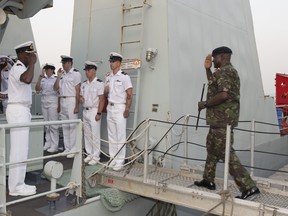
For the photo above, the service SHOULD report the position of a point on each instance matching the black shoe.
(252, 191)
(206, 184)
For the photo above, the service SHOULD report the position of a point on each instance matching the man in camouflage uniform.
(223, 103)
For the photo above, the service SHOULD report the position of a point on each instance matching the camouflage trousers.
(215, 144)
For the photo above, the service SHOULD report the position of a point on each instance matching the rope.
(162, 208)
(225, 194)
(71, 186)
(88, 131)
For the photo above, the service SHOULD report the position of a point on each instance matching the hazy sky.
(53, 24)
(270, 24)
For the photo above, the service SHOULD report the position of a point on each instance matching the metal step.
(130, 42)
(131, 25)
(132, 8)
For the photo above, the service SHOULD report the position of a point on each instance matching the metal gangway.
(176, 186)
(157, 181)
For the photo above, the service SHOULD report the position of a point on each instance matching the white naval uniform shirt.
(118, 84)
(19, 92)
(91, 91)
(68, 81)
(49, 95)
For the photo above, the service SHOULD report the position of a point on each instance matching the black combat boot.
(206, 184)
(245, 194)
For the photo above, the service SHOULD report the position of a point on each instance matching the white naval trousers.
(116, 124)
(49, 111)
(91, 133)
(67, 106)
(4, 104)
(19, 144)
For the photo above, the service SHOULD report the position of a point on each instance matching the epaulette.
(76, 70)
(84, 81)
(124, 73)
(18, 64)
(99, 80)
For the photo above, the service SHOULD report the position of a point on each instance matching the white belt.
(20, 104)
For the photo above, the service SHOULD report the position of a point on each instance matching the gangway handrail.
(76, 175)
(40, 123)
(40, 158)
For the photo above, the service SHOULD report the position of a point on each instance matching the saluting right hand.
(208, 61)
(32, 58)
(59, 72)
(43, 72)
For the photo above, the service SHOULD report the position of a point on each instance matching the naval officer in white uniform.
(49, 105)
(6, 63)
(18, 111)
(68, 84)
(119, 88)
(92, 99)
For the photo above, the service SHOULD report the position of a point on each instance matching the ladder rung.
(130, 42)
(130, 25)
(135, 7)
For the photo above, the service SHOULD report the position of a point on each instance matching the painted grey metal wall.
(183, 32)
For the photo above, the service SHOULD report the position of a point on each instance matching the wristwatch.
(99, 113)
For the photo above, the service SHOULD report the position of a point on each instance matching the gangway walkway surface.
(177, 187)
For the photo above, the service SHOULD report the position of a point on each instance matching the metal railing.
(186, 150)
(75, 177)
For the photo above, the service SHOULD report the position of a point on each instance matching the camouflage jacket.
(224, 79)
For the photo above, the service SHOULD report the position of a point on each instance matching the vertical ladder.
(132, 27)
(131, 45)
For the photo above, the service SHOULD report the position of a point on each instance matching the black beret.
(221, 50)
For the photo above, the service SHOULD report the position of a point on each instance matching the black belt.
(66, 96)
(89, 108)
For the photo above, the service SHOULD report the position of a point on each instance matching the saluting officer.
(223, 106)
(6, 64)
(68, 84)
(18, 111)
(92, 98)
(49, 105)
(119, 89)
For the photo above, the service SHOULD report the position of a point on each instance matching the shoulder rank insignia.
(76, 70)
(99, 80)
(124, 73)
(18, 64)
